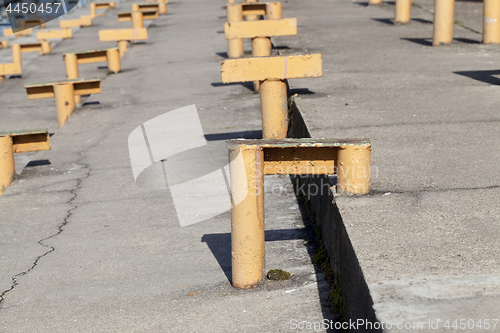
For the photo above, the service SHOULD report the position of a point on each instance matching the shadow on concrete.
(428, 41)
(488, 77)
(222, 54)
(234, 135)
(422, 21)
(467, 40)
(385, 21)
(421, 41)
(390, 21)
(301, 91)
(37, 163)
(248, 85)
(281, 48)
(220, 245)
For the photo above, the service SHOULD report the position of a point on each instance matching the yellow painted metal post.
(274, 11)
(7, 166)
(162, 8)
(16, 53)
(374, 2)
(354, 168)
(135, 7)
(443, 22)
(247, 217)
(65, 102)
(46, 47)
(137, 20)
(235, 47)
(491, 22)
(113, 56)
(5, 44)
(71, 64)
(261, 47)
(402, 11)
(274, 108)
(122, 47)
(93, 10)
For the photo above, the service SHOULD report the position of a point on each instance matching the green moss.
(321, 256)
(278, 275)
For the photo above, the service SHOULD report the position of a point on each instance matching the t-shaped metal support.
(72, 60)
(64, 93)
(94, 6)
(83, 21)
(250, 160)
(261, 32)
(272, 73)
(236, 12)
(161, 7)
(18, 142)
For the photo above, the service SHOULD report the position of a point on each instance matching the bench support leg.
(16, 53)
(46, 47)
(354, 168)
(162, 8)
(93, 10)
(113, 56)
(491, 22)
(122, 47)
(71, 63)
(65, 102)
(274, 108)
(261, 47)
(7, 166)
(137, 20)
(274, 11)
(247, 217)
(235, 47)
(402, 11)
(443, 22)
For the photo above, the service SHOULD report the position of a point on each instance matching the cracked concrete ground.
(83, 249)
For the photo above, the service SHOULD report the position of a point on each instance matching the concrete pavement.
(84, 249)
(426, 237)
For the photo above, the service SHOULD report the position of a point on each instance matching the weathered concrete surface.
(89, 251)
(427, 236)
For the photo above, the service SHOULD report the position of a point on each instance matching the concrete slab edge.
(355, 299)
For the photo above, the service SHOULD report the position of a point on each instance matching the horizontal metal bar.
(261, 28)
(29, 140)
(277, 68)
(123, 35)
(46, 89)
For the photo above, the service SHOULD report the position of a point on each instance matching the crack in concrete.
(59, 231)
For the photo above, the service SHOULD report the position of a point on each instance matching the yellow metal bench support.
(350, 159)
(235, 13)
(402, 11)
(83, 21)
(100, 5)
(72, 60)
(18, 142)
(64, 93)
(272, 73)
(42, 47)
(161, 7)
(443, 22)
(123, 37)
(54, 34)
(491, 22)
(7, 32)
